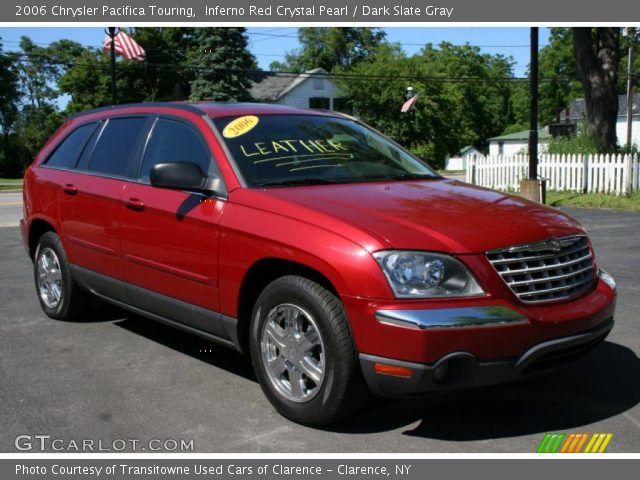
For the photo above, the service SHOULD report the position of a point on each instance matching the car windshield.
(288, 150)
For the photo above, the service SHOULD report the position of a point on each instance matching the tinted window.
(115, 151)
(67, 153)
(173, 142)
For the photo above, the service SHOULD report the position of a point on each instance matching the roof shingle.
(578, 108)
(275, 85)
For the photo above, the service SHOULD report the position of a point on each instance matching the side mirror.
(180, 176)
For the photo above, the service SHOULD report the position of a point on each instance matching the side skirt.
(213, 326)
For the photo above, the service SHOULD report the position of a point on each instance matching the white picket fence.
(615, 174)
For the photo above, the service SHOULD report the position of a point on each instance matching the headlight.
(426, 275)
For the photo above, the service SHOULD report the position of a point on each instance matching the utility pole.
(631, 33)
(533, 107)
(111, 31)
(533, 188)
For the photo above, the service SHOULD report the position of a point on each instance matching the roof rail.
(177, 105)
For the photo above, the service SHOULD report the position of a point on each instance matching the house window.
(320, 102)
(318, 83)
(500, 148)
(342, 104)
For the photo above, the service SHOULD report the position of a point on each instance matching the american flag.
(408, 104)
(125, 46)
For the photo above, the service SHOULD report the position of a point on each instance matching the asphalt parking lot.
(118, 376)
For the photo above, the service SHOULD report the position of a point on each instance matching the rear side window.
(67, 153)
(115, 152)
(173, 142)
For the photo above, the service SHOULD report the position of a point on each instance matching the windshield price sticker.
(240, 126)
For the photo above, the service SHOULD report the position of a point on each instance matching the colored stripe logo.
(574, 443)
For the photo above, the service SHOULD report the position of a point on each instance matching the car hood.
(438, 215)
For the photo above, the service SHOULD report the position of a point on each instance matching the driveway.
(118, 376)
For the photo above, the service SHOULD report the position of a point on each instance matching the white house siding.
(300, 95)
(455, 163)
(621, 131)
(459, 162)
(513, 147)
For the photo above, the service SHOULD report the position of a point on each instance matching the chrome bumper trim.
(451, 317)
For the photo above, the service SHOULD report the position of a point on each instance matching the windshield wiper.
(298, 182)
(406, 176)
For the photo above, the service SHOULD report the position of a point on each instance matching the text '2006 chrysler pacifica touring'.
(339, 261)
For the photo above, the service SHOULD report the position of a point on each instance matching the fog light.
(393, 370)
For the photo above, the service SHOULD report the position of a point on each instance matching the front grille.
(554, 269)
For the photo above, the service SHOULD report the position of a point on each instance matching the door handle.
(70, 189)
(134, 204)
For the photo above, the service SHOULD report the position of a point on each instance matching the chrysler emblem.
(554, 244)
(551, 244)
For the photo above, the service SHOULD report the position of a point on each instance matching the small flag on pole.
(408, 104)
(125, 46)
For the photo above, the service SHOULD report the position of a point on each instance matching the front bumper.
(463, 370)
(486, 341)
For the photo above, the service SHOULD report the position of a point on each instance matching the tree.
(223, 65)
(482, 102)
(559, 84)
(9, 97)
(38, 115)
(597, 53)
(165, 72)
(163, 76)
(87, 81)
(558, 69)
(451, 112)
(331, 48)
(37, 74)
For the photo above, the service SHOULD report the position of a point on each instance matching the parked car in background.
(335, 258)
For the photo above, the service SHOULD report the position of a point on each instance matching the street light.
(409, 92)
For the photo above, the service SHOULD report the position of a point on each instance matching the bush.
(573, 145)
(428, 152)
(632, 150)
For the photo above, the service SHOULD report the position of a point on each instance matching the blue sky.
(269, 44)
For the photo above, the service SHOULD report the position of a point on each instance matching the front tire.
(59, 295)
(303, 352)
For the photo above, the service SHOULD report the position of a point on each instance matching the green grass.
(595, 200)
(10, 183)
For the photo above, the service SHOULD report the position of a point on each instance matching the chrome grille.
(554, 269)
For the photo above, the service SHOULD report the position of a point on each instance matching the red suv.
(341, 262)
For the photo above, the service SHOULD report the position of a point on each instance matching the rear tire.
(60, 296)
(303, 352)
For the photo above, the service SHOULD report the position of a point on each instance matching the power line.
(41, 44)
(267, 73)
(405, 43)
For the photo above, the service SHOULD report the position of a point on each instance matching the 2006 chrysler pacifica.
(333, 256)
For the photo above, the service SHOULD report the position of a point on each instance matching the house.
(518, 143)
(576, 113)
(311, 89)
(460, 161)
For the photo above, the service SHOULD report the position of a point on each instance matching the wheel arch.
(258, 276)
(37, 228)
